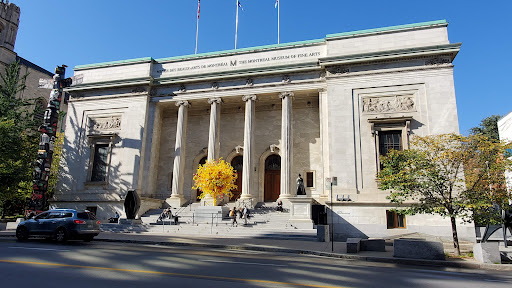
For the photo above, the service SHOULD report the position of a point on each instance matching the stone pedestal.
(488, 252)
(210, 214)
(176, 200)
(300, 212)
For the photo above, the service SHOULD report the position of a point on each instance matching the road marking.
(247, 263)
(169, 273)
(42, 249)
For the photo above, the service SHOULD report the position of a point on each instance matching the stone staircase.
(264, 222)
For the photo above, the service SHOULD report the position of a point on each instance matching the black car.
(61, 225)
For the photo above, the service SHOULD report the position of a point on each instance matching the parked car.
(61, 225)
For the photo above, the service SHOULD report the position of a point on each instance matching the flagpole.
(278, 7)
(236, 28)
(197, 25)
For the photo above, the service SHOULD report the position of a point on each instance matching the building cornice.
(448, 49)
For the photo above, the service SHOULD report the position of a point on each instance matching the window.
(395, 220)
(92, 209)
(99, 161)
(44, 215)
(390, 133)
(39, 111)
(310, 179)
(390, 140)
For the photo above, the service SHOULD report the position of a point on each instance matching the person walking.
(246, 214)
(232, 215)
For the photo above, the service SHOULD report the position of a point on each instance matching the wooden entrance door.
(272, 178)
(238, 164)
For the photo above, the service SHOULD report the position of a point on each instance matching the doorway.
(238, 164)
(272, 178)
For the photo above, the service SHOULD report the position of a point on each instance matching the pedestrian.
(239, 213)
(246, 214)
(232, 215)
(279, 206)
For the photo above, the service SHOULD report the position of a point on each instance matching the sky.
(78, 32)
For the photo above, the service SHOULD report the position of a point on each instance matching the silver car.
(61, 225)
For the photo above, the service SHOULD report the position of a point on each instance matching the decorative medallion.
(337, 70)
(249, 82)
(139, 90)
(183, 88)
(286, 79)
(437, 61)
(215, 85)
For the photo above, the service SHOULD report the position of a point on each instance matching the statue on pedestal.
(300, 186)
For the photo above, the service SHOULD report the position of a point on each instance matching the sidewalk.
(280, 246)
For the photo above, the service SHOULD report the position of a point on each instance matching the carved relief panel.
(98, 125)
(389, 104)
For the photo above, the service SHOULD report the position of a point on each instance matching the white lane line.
(42, 249)
(246, 263)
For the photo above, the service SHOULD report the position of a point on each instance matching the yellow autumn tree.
(215, 178)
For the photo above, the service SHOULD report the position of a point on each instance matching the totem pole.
(48, 131)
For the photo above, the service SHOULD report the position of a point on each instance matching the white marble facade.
(317, 105)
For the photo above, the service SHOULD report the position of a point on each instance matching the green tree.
(18, 141)
(488, 127)
(430, 178)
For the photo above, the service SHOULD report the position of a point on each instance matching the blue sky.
(74, 32)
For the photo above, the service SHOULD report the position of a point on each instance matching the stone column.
(286, 145)
(324, 135)
(177, 199)
(214, 136)
(248, 169)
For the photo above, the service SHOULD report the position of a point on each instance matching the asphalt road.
(41, 263)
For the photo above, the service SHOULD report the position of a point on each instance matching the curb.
(402, 261)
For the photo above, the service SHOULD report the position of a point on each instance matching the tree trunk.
(455, 237)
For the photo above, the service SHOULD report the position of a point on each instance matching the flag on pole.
(198, 8)
(238, 5)
(197, 25)
(277, 6)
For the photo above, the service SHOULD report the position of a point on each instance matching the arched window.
(39, 108)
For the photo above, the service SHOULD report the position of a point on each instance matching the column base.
(176, 201)
(246, 201)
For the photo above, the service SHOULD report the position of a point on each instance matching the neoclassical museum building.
(322, 108)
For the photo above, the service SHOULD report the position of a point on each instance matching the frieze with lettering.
(389, 104)
(236, 62)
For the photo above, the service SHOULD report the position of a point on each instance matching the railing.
(213, 216)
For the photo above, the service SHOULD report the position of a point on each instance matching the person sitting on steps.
(279, 206)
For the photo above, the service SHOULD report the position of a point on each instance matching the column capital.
(182, 103)
(283, 95)
(321, 90)
(249, 97)
(215, 100)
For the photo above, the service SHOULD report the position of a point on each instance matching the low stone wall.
(418, 249)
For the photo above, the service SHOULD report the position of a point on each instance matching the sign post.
(332, 182)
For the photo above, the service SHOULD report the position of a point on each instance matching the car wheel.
(22, 233)
(61, 235)
(88, 238)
